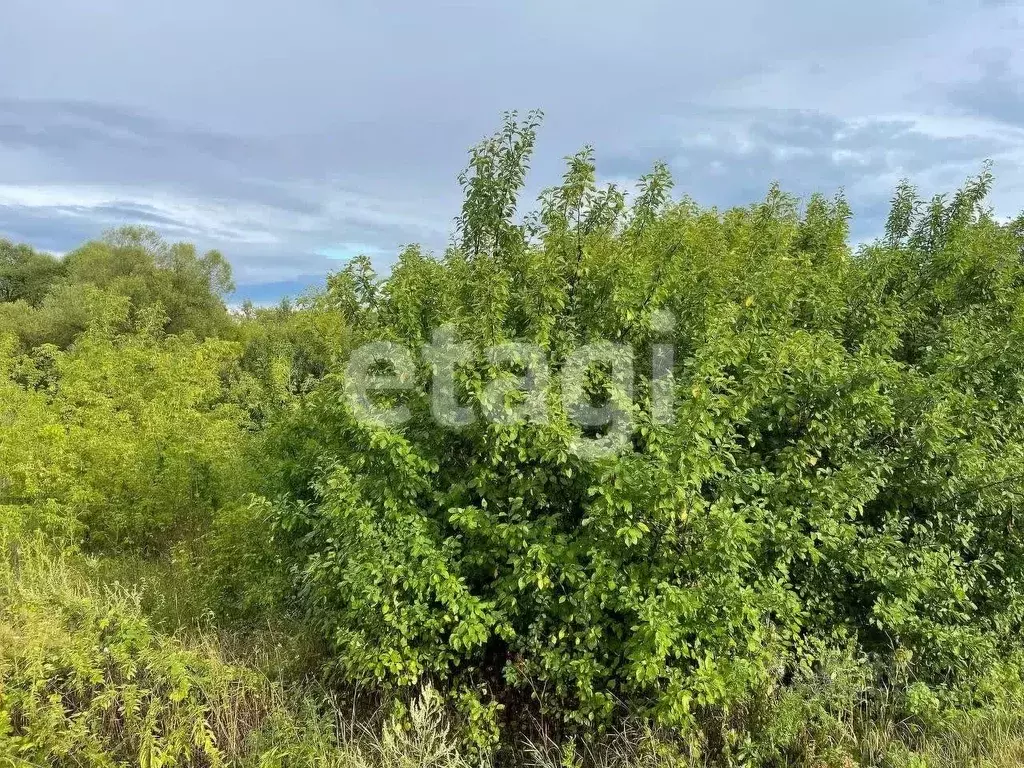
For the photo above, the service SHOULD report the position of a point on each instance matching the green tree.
(838, 462)
(25, 274)
(44, 300)
(135, 262)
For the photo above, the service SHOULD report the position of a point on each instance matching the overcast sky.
(292, 134)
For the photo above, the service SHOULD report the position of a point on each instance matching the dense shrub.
(289, 347)
(841, 462)
(86, 680)
(127, 438)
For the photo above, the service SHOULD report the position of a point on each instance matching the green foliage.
(288, 348)
(64, 312)
(804, 549)
(240, 564)
(44, 300)
(135, 262)
(86, 680)
(129, 437)
(841, 463)
(26, 275)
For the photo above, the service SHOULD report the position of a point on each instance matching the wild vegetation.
(793, 540)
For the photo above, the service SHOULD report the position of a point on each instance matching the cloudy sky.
(293, 134)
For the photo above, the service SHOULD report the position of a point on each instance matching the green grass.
(88, 679)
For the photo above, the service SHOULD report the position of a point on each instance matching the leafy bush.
(86, 680)
(83, 680)
(840, 461)
(239, 564)
(290, 347)
(132, 436)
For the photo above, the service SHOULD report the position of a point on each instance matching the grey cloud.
(719, 156)
(730, 157)
(44, 228)
(997, 93)
(277, 132)
(299, 190)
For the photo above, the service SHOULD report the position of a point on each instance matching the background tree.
(25, 274)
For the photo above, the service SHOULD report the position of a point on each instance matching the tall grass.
(86, 679)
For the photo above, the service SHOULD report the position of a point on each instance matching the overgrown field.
(622, 481)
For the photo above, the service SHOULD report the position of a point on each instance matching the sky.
(293, 135)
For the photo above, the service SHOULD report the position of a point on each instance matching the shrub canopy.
(841, 462)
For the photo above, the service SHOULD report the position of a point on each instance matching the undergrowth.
(86, 680)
